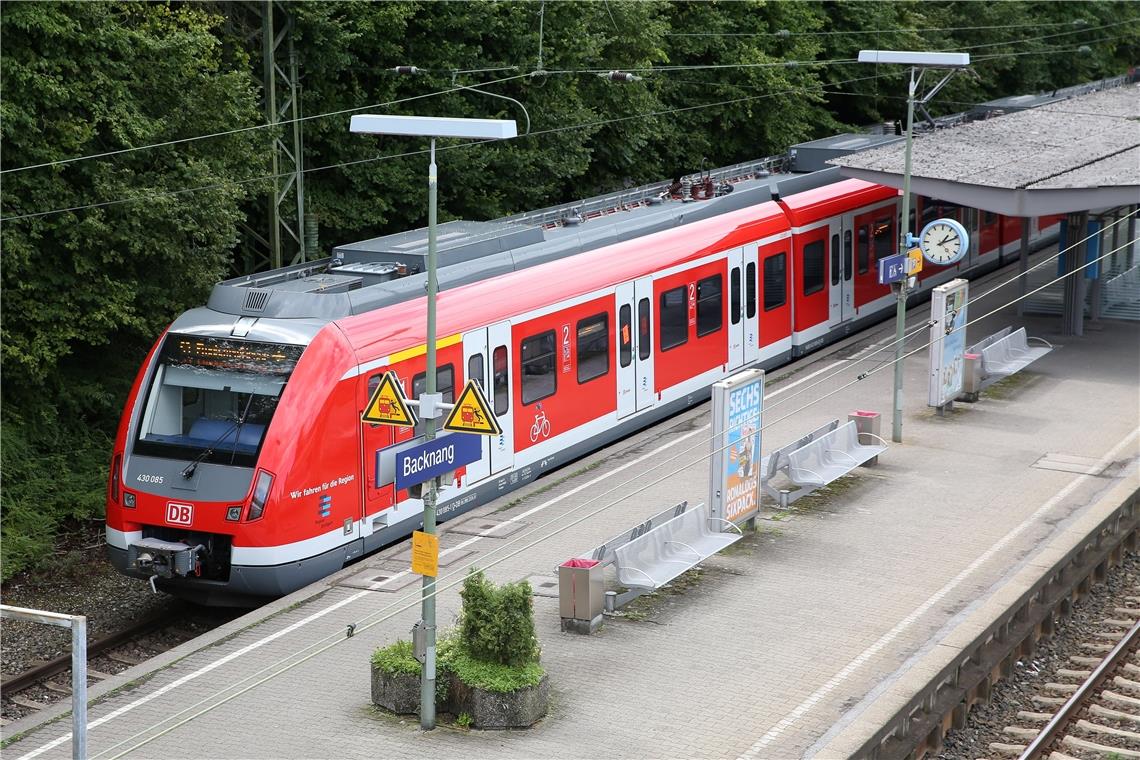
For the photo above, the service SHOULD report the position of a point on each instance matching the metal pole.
(269, 82)
(427, 683)
(900, 312)
(79, 687)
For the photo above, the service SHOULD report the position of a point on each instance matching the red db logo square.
(179, 514)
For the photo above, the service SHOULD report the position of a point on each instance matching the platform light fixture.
(919, 62)
(431, 127)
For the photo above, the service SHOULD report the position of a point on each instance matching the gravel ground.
(87, 585)
(1029, 676)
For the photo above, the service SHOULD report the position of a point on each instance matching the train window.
(475, 370)
(813, 267)
(710, 305)
(775, 281)
(643, 332)
(884, 234)
(538, 377)
(625, 335)
(674, 318)
(988, 217)
(500, 378)
(734, 295)
(847, 254)
(834, 259)
(444, 383)
(863, 250)
(593, 347)
(750, 290)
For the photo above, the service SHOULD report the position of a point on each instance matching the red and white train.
(241, 469)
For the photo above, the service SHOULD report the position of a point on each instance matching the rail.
(1076, 702)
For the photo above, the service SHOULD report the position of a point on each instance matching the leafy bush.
(497, 625)
(493, 676)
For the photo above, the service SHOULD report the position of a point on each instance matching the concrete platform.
(785, 646)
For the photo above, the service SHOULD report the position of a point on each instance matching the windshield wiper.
(188, 470)
(240, 422)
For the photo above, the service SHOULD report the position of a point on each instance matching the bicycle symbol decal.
(541, 426)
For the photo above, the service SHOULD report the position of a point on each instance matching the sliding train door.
(634, 302)
(487, 360)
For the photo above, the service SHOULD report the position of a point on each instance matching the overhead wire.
(413, 599)
(786, 33)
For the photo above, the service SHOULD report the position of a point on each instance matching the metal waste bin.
(971, 378)
(581, 594)
(867, 422)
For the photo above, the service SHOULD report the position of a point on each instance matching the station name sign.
(435, 457)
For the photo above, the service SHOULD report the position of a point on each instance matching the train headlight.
(260, 495)
(128, 500)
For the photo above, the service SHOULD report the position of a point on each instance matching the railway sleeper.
(1119, 622)
(1007, 750)
(1077, 675)
(1082, 745)
(1020, 732)
(1101, 711)
(1130, 703)
(1125, 684)
(1054, 755)
(1062, 688)
(1034, 717)
(1131, 737)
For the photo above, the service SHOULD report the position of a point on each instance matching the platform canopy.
(1074, 155)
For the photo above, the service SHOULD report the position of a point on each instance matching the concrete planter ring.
(494, 709)
(398, 693)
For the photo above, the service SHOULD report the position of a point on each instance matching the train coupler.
(163, 559)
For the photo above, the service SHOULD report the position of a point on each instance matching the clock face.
(943, 242)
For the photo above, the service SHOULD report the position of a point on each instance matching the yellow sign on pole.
(914, 261)
(472, 413)
(425, 553)
(388, 406)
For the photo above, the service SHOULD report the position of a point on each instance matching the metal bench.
(996, 358)
(820, 457)
(660, 555)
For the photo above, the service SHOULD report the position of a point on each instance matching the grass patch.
(1005, 387)
(492, 676)
(397, 659)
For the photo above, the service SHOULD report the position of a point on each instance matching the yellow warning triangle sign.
(472, 413)
(388, 405)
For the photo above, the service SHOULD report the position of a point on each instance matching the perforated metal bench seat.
(1011, 354)
(830, 457)
(661, 554)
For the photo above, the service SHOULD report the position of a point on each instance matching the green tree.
(84, 290)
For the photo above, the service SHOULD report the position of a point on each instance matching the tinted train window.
(475, 370)
(537, 361)
(710, 305)
(846, 254)
(884, 232)
(750, 290)
(444, 383)
(734, 295)
(674, 318)
(813, 267)
(643, 329)
(863, 251)
(593, 347)
(625, 335)
(988, 217)
(775, 281)
(834, 259)
(500, 379)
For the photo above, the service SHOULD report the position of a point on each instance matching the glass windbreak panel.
(211, 399)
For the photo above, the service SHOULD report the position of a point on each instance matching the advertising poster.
(947, 341)
(737, 411)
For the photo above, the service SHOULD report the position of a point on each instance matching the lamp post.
(918, 62)
(430, 399)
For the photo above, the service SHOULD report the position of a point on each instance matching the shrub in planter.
(396, 677)
(495, 674)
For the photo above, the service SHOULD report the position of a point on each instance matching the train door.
(751, 310)
(501, 354)
(841, 281)
(378, 495)
(626, 305)
(643, 342)
(476, 360)
(736, 326)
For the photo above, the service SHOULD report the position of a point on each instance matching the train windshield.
(211, 399)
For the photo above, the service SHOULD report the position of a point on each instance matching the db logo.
(179, 514)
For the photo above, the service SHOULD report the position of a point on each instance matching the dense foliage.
(85, 291)
(497, 625)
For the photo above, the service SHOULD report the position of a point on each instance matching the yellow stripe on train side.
(421, 349)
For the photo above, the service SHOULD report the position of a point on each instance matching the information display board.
(737, 407)
(947, 341)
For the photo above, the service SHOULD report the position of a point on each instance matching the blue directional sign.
(433, 458)
(892, 268)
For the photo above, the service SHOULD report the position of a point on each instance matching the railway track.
(1092, 708)
(49, 682)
